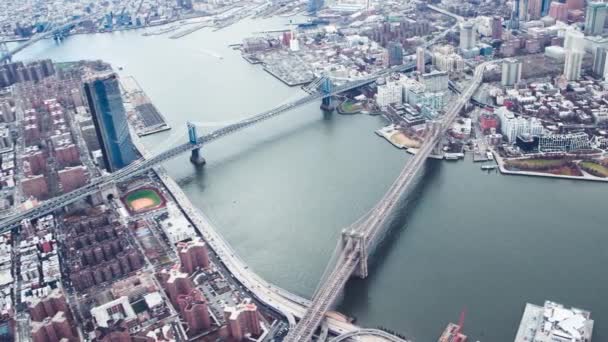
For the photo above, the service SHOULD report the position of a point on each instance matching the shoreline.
(275, 298)
(501, 167)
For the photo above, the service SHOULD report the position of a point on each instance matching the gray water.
(282, 191)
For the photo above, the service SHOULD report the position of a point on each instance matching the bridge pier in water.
(327, 103)
(196, 157)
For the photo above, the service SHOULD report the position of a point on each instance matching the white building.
(512, 126)
(389, 93)
(554, 323)
(416, 94)
(573, 64)
(467, 35)
(435, 81)
(574, 39)
(511, 72)
(118, 309)
(449, 62)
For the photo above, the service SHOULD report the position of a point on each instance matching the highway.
(290, 305)
(362, 235)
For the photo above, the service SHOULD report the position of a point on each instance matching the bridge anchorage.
(195, 158)
(358, 242)
(326, 90)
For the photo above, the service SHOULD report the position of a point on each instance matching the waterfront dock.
(501, 166)
(190, 30)
(143, 116)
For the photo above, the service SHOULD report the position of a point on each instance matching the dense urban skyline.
(99, 241)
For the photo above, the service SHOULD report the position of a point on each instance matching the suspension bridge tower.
(196, 158)
(326, 88)
(357, 242)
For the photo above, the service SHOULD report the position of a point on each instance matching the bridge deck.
(371, 226)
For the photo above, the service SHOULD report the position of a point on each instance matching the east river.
(282, 191)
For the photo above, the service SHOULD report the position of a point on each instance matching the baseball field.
(143, 199)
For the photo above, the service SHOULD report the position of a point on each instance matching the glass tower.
(110, 119)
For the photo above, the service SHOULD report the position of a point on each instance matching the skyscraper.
(559, 11)
(535, 9)
(595, 18)
(575, 4)
(420, 62)
(523, 10)
(511, 72)
(242, 319)
(496, 27)
(315, 5)
(599, 62)
(110, 119)
(395, 53)
(545, 7)
(514, 22)
(574, 40)
(467, 35)
(573, 64)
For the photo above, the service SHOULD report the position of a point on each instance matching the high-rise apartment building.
(315, 5)
(467, 35)
(514, 21)
(595, 18)
(110, 119)
(559, 11)
(573, 64)
(395, 53)
(511, 72)
(193, 308)
(243, 319)
(420, 62)
(193, 255)
(545, 7)
(599, 61)
(575, 4)
(524, 15)
(535, 9)
(496, 27)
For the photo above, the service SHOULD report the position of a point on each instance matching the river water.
(282, 191)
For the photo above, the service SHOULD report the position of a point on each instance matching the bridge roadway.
(143, 164)
(370, 226)
(374, 334)
(42, 36)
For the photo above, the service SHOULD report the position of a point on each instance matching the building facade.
(395, 53)
(564, 142)
(511, 72)
(467, 35)
(595, 18)
(573, 64)
(110, 119)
